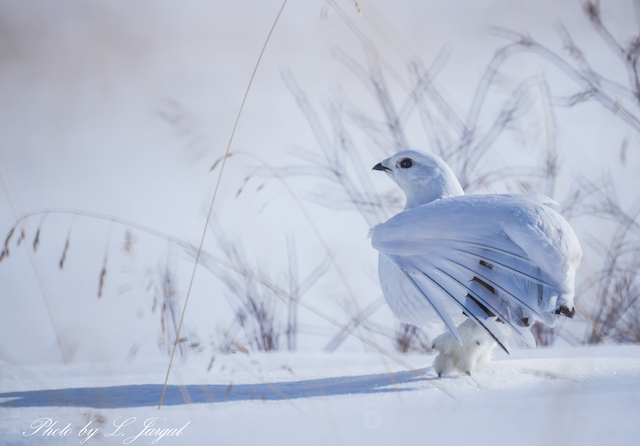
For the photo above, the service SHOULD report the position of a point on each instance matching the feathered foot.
(476, 348)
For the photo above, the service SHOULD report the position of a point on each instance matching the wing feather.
(516, 245)
(489, 300)
(524, 269)
(471, 308)
(509, 288)
(435, 304)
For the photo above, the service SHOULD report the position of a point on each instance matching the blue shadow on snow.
(141, 395)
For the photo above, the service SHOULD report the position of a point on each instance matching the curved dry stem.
(213, 199)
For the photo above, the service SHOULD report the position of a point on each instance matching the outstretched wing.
(505, 256)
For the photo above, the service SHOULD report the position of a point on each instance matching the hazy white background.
(88, 91)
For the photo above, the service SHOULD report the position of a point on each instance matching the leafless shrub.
(255, 307)
(621, 100)
(616, 313)
(297, 289)
(258, 309)
(461, 142)
(409, 338)
(348, 185)
(543, 334)
(169, 300)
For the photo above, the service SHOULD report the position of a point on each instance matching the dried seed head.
(5, 251)
(103, 273)
(129, 240)
(21, 237)
(219, 160)
(36, 240)
(64, 255)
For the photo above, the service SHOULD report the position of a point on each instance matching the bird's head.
(421, 176)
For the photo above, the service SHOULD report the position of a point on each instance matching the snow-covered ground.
(578, 396)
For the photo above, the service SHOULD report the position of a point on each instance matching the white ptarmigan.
(496, 259)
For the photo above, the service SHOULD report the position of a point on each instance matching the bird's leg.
(476, 348)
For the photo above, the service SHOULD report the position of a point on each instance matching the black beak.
(379, 166)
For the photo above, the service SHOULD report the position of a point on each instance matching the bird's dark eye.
(406, 163)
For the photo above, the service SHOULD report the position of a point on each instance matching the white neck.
(443, 186)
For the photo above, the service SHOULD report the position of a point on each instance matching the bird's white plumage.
(504, 257)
